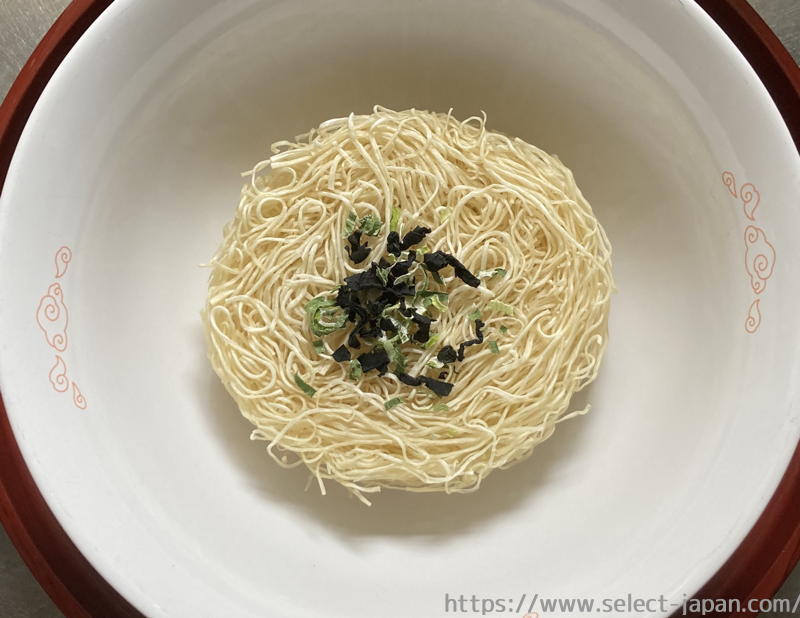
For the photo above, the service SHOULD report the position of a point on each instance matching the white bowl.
(129, 166)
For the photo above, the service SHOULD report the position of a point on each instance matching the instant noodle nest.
(492, 200)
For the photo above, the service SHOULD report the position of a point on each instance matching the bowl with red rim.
(128, 481)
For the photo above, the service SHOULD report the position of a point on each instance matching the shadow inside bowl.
(436, 516)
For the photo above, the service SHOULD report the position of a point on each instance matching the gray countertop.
(22, 24)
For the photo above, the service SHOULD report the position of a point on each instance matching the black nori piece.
(423, 323)
(478, 339)
(414, 237)
(377, 359)
(463, 273)
(358, 252)
(352, 339)
(402, 267)
(341, 354)
(440, 387)
(407, 379)
(365, 280)
(393, 245)
(447, 354)
(437, 260)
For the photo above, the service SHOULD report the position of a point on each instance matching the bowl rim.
(755, 569)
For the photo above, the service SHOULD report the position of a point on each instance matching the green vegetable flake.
(317, 303)
(432, 341)
(409, 276)
(402, 330)
(355, 369)
(504, 329)
(392, 403)
(370, 225)
(440, 407)
(394, 222)
(383, 275)
(429, 298)
(493, 347)
(496, 272)
(323, 317)
(438, 301)
(475, 315)
(425, 280)
(308, 390)
(395, 355)
(319, 346)
(401, 323)
(350, 223)
(387, 311)
(496, 305)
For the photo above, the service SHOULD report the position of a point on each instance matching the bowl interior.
(132, 161)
